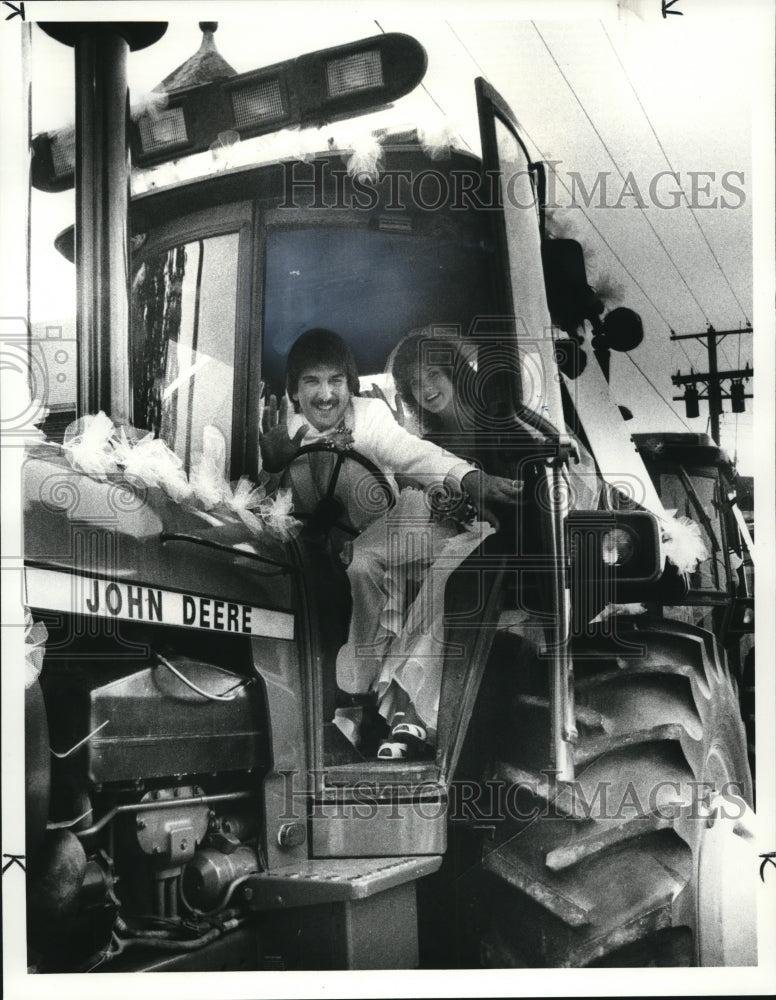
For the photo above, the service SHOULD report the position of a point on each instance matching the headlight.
(617, 547)
(620, 546)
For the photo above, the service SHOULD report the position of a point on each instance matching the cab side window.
(183, 320)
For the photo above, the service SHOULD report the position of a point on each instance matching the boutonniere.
(340, 437)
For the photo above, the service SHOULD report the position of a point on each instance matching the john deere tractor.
(191, 805)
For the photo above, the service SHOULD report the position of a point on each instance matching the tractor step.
(554, 794)
(331, 880)
(627, 669)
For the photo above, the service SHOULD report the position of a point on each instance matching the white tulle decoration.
(94, 446)
(207, 491)
(208, 479)
(149, 103)
(275, 513)
(35, 638)
(366, 159)
(88, 445)
(260, 513)
(438, 139)
(684, 543)
(301, 144)
(150, 460)
(246, 495)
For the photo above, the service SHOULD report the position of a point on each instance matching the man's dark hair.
(315, 348)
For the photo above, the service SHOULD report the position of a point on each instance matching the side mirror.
(565, 280)
(623, 329)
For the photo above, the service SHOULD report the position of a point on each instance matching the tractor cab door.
(515, 187)
(535, 394)
(398, 807)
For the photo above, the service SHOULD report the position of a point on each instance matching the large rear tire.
(645, 858)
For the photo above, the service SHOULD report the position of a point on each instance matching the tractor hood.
(112, 548)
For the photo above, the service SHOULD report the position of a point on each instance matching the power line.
(587, 217)
(614, 253)
(466, 49)
(713, 378)
(619, 171)
(644, 374)
(671, 167)
(689, 204)
(601, 236)
(604, 240)
(429, 94)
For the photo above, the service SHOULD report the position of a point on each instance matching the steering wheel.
(330, 512)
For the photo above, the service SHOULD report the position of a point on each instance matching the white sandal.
(392, 750)
(415, 732)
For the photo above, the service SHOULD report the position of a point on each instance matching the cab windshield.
(371, 286)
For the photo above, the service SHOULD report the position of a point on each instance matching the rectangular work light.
(259, 102)
(53, 160)
(351, 74)
(616, 557)
(163, 132)
(314, 89)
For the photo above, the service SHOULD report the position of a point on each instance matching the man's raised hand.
(277, 448)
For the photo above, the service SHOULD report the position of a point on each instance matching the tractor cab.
(226, 270)
(696, 478)
(219, 295)
(229, 268)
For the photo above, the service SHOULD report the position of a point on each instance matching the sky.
(601, 88)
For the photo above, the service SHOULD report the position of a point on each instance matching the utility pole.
(713, 378)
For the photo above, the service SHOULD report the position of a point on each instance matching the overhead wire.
(649, 380)
(429, 94)
(689, 205)
(609, 246)
(619, 171)
(603, 240)
(671, 168)
(467, 50)
(600, 235)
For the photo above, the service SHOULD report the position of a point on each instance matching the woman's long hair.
(421, 347)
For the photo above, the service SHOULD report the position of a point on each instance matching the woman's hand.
(377, 393)
(497, 489)
(277, 448)
(485, 490)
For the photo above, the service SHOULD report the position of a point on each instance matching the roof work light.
(314, 89)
